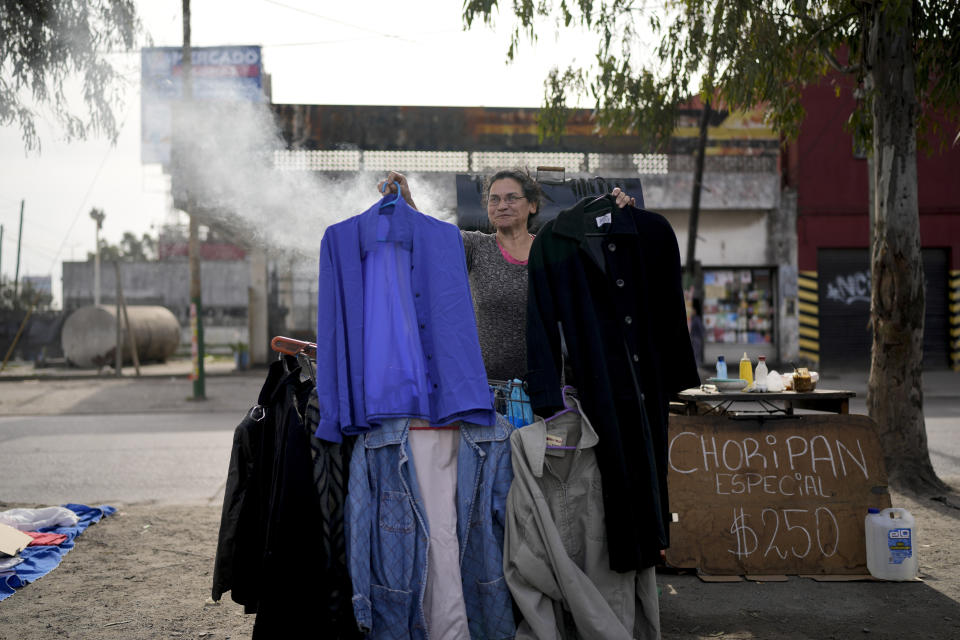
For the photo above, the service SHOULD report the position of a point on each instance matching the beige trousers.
(435, 461)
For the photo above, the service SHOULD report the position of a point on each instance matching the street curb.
(253, 372)
(81, 376)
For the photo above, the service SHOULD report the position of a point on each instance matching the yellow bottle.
(746, 368)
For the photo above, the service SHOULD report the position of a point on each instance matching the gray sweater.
(499, 290)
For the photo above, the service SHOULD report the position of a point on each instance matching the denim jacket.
(388, 532)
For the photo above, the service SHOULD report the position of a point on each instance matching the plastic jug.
(891, 544)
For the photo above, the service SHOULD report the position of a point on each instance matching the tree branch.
(810, 23)
(842, 68)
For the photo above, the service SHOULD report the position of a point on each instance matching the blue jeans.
(388, 533)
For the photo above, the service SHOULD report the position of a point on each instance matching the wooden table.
(695, 401)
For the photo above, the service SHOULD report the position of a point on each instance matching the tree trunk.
(895, 390)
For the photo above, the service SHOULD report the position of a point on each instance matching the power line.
(314, 43)
(336, 21)
(83, 201)
(35, 248)
(321, 42)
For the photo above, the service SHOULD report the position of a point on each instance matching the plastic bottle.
(891, 544)
(760, 375)
(746, 368)
(721, 368)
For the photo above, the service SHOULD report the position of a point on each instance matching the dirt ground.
(146, 571)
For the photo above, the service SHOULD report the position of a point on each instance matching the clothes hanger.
(447, 427)
(389, 203)
(603, 203)
(306, 364)
(601, 208)
(292, 347)
(386, 207)
(600, 204)
(567, 409)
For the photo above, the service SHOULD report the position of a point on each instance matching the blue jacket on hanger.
(428, 327)
(387, 531)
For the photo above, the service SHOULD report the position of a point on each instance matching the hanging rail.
(292, 346)
(302, 349)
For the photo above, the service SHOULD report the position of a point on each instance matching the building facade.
(746, 238)
(830, 178)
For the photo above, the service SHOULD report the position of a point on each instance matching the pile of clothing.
(34, 541)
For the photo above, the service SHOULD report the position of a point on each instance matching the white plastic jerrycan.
(891, 537)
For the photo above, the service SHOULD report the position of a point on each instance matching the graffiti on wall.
(850, 288)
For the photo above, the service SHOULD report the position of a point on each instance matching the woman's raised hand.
(622, 198)
(391, 181)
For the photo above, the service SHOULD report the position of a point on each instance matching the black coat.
(614, 292)
(281, 546)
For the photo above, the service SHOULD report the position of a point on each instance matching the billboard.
(219, 73)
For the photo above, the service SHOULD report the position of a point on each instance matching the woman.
(497, 265)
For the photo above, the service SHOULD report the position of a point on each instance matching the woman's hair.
(531, 188)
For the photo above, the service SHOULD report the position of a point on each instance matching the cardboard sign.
(773, 496)
(12, 541)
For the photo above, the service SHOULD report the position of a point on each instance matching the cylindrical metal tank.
(89, 335)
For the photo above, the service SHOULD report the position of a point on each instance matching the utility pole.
(119, 343)
(131, 334)
(16, 273)
(97, 216)
(196, 307)
(690, 272)
(690, 275)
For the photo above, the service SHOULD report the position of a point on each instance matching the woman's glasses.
(510, 198)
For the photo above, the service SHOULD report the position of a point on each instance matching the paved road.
(941, 410)
(119, 441)
(129, 458)
(132, 440)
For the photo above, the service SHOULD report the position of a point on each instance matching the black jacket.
(281, 546)
(612, 287)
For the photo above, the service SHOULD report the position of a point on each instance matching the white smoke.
(224, 158)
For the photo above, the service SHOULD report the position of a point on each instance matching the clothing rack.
(293, 347)
(306, 354)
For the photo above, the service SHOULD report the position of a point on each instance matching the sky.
(362, 52)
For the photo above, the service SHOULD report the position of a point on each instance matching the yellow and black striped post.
(954, 311)
(808, 308)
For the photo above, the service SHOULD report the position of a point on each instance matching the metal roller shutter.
(936, 323)
(844, 286)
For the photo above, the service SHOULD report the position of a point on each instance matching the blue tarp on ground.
(40, 560)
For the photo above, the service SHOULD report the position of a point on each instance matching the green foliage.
(23, 297)
(742, 53)
(45, 42)
(130, 249)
